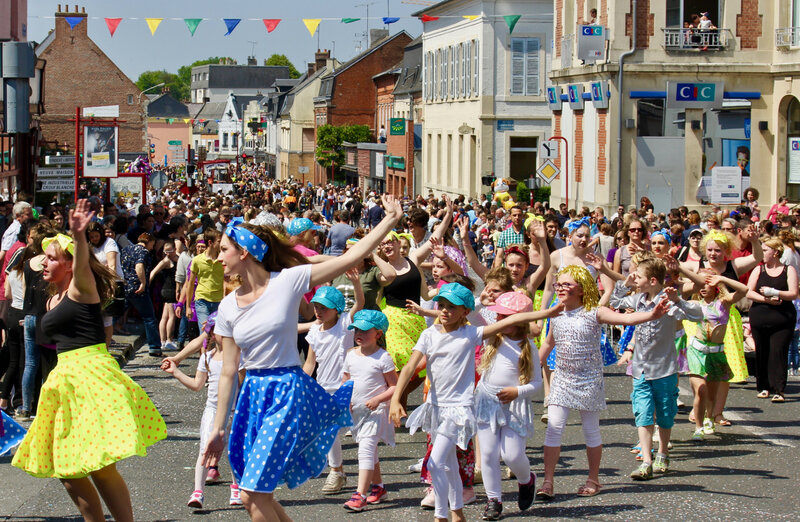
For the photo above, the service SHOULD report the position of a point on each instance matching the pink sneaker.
(213, 476)
(196, 500)
(377, 494)
(236, 498)
(357, 503)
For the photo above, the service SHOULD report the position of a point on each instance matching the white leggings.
(443, 467)
(506, 443)
(557, 419)
(335, 453)
(368, 452)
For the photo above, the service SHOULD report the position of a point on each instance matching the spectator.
(136, 265)
(339, 233)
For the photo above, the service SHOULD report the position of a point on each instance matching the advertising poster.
(127, 188)
(100, 152)
(794, 160)
(726, 185)
(736, 153)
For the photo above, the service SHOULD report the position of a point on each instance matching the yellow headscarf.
(591, 296)
(65, 241)
(723, 239)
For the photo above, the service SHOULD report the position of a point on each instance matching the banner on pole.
(100, 151)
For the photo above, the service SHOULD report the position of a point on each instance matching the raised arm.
(227, 378)
(396, 411)
(358, 290)
(491, 330)
(83, 287)
(739, 289)
(609, 316)
(386, 272)
(419, 255)
(744, 264)
(538, 234)
(327, 270)
(472, 258)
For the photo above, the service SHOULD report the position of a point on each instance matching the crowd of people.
(368, 298)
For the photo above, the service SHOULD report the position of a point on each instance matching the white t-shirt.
(109, 245)
(207, 364)
(451, 363)
(366, 372)
(330, 347)
(266, 329)
(504, 370)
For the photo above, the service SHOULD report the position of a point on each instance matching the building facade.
(169, 130)
(213, 82)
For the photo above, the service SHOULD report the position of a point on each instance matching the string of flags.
(311, 24)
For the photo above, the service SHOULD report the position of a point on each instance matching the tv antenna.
(252, 47)
(366, 4)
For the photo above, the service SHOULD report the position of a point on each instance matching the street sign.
(505, 125)
(548, 171)
(174, 142)
(55, 173)
(397, 126)
(302, 170)
(105, 111)
(695, 95)
(174, 147)
(548, 150)
(58, 185)
(59, 160)
(158, 180)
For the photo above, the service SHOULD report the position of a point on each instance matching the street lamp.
(139, 102)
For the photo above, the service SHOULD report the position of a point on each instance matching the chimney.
(376, 36)
(312, 68)
(62, 27)
(321, 59)
(251, 60)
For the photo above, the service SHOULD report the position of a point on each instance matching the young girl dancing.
(209, 368)
(578, 375)
(510, 375)
(449, 414)
(371, 369)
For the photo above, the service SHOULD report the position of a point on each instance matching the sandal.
(691, 417)
(778, 398)
(590, 489)
(722, 421)
(545, 493)
(763, 394)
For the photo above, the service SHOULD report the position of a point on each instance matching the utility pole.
(366, 4)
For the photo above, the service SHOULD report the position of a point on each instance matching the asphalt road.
(746, 471)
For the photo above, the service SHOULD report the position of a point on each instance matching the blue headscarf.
(663, 233)
(575, 225)
(246, 239)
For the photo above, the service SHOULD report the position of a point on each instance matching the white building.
(485, 109)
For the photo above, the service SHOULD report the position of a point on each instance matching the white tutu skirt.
(517, 415)
(457, 423)
(369, 423)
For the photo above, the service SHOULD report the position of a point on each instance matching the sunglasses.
(565, 286)
(635, 230)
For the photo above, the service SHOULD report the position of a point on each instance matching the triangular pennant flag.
(231, 24)
(511, 21)
(271, 23)
(192, 24)
(428, 18)
(112, 24)
(73, 20)
(312, 24)
(153, 24)
(390, 19)
(350, 20)
(186, 120)
(170, 120)
(471, 17)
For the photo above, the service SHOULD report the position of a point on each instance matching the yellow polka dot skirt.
(402, 335)
(90, 415)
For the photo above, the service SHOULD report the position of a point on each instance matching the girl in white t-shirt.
(328, 341)
(449, 415)
(371, 369)
(209, 368)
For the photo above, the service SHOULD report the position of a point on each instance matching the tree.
(330, 138)
(172, 83)
(281, 59)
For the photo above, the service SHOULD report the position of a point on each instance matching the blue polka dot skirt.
(283, 427)
(11, 433)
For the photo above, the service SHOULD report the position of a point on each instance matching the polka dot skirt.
(11, 433)
(283, 428)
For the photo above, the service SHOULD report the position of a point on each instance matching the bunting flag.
(471, 17)
(112, 24)
(312, 24)
(350, 20)
(192, 23)
(428, 18)
(390, 19)
(73, 20)
(170, 120)
(511, 21)
(153, 24)
(271, 23)
(186, 120)
(231, 24)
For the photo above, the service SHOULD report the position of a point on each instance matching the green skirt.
(90, 415)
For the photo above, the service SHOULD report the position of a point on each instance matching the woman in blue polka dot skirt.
(284, 422)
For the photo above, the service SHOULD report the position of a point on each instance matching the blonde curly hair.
(591, 296)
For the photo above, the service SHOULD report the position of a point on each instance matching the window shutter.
(518, 66)
(476, 68)
(532, 68)
(452, 71)
(459, 72)
(436, 75)
(468, 69)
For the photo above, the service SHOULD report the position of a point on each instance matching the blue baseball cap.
(300, 225)
(457, 294)
(367, 319)
(329, 297)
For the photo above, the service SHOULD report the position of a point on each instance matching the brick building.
(347, 94)
(80, 74)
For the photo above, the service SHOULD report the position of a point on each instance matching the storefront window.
(793, 151)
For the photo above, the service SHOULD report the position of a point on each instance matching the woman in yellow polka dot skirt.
(90, 413)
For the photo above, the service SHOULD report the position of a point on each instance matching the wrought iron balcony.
(691, 39)
(787, 37)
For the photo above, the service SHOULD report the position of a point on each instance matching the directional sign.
(55, 173)
(58, 185)
(158, 180)
(59, 160)
(548, 171)
(174, 147)
(174, 142)
(548, 150)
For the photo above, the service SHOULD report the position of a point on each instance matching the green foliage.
(281, 59)
(330, 138)
(523, 193)
(178, 85)
(185, 72)
(542, 194)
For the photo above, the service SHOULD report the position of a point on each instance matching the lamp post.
(145, 109)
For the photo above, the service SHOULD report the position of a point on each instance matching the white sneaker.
(334, 483)
(170, 346)
(416, 468)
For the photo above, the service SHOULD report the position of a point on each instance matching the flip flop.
(722, 421)
(778, 398)
(590, 489)
(763, 394)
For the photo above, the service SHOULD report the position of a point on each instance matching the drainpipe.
(621, 100)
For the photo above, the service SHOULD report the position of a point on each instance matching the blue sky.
(134, 50)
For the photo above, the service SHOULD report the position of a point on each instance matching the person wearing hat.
(328, 339)
(371, 369)
(449, 414)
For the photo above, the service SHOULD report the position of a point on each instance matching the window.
(457, 88)
(437, 73)
(224, 140)
(792, 134)
(525, 67)
(475, 68)
(452, 52)
(796, 13)
(235, 142)
(468, 69)
(462, 48)
(130, 99)
(445, 78)
(650, 117)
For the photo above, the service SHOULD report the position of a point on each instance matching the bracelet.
(179, 305)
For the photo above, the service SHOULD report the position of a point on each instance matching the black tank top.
(72, 325)
(404, 287)
(767, 315)
(729, 272)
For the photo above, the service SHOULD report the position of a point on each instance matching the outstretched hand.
(392, 207)
(662, 307)
(463, 226)
(80, 217)
(555, 310)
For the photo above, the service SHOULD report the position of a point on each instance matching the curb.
(124, 347)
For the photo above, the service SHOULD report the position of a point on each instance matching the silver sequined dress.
(578, 376)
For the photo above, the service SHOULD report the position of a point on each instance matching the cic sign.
(694, 95)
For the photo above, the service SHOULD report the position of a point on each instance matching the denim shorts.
(657, 397)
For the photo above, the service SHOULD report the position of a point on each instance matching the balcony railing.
(691, 39)
(787, 37)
